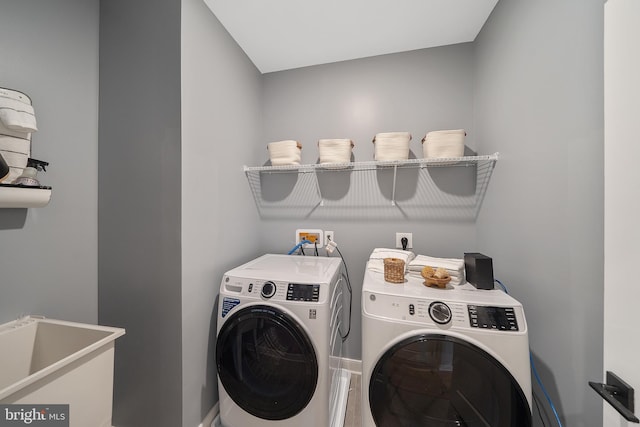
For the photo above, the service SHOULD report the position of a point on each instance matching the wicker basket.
(433, 281)
(394, 270)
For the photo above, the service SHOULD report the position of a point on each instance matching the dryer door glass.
(443, 381)
(266, 362)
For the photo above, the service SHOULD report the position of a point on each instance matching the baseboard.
(339, 404)
(211, 415)
(352, 365)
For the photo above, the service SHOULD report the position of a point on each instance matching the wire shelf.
(451, 189)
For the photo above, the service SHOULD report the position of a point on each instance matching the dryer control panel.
(500, 318)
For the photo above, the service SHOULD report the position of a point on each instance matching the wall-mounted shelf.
(451, 189)
(16, 196)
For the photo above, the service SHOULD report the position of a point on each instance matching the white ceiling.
(283, 34)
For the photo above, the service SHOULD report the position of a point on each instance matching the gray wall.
(48, 256)
(539, 101)
(221, 92)
(416, 91)
(139, 248)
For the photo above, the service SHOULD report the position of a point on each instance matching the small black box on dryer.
(478, 269)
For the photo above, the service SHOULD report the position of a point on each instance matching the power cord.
(331, 246)
(344, 338)
(535, 401)
(537, 377)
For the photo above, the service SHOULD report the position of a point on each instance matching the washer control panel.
(274, 290)
(303, 292)
(445, 313)
(268, 289)
(487, 317)
(440, 312)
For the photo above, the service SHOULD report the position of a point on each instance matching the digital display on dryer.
(303, 292)
(487, 317)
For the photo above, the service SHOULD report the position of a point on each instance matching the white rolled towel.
(17, 116)
(287, 152)
(376, 259)
(454, 266)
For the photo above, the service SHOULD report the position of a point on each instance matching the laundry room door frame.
(622, 197)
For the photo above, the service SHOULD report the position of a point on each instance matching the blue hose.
(504, 288)
(296, 247)
(535, 373)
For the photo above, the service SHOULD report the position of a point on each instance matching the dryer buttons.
(440, 312)
(498, 318)
(268, 290)
(303, 292)
(412, 309)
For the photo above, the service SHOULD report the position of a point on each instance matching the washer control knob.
(268, 289)
(440, 312)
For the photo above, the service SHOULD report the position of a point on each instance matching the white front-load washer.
(279, 342)
(443, 357)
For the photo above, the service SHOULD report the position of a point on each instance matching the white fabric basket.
(287, 152)
(443, 144)
(391, 146)
(335, 150)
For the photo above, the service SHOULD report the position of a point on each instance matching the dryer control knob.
(440, 312)
(268, 289)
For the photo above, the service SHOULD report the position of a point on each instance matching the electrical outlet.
(409, 237)
(312, 235)
(328, 236)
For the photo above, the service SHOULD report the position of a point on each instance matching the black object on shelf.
(619, 394)
(479, 270)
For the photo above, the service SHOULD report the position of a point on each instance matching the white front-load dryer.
(443, 357)
(279, 341)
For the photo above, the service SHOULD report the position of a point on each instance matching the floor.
(353, 418)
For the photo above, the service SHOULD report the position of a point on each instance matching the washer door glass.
(438, 381)
(266, 362)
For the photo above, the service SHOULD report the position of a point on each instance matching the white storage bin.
(391, 146)
(443, 144)
(335, 150)
(46, 361)
(283, 153)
